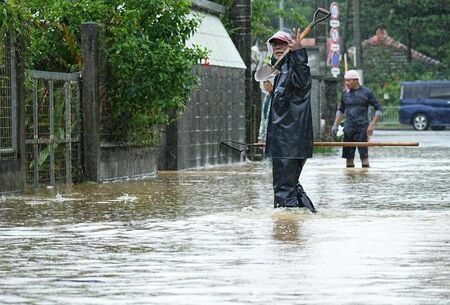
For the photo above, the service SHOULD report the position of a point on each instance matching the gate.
(53, 129)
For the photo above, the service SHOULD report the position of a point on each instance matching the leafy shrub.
(386, 68)
(148, 66)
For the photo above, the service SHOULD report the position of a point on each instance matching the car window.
(415, 92)
(440, 92)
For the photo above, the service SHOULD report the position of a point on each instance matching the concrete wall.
(105, 161)
(124, 162)
(215, 112)
(10, 176)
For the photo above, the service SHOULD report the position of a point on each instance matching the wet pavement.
(211, 236)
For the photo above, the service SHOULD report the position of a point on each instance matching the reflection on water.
(211, 236)
(286, 226)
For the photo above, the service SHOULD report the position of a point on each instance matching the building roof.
(208, 6)
(381, 37)
(212, 35)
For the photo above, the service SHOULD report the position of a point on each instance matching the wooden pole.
(352, 144)
(363, 144)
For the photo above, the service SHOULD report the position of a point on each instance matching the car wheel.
(420, 121)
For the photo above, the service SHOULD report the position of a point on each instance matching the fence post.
(21, 112)
(90, 100)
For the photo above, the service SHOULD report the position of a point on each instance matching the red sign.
(334, 34)
(334, 9)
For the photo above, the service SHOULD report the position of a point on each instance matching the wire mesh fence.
(8, 102)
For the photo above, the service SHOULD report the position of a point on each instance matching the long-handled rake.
(238, 148)
(267, 71)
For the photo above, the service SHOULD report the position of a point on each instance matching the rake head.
(233, 149)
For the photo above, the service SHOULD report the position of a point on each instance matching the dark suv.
(425, 103)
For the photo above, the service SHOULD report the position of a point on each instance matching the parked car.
(425, 104)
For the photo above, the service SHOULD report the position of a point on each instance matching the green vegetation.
(148, 66)
(266, 13)
(384, 75)
(421, 24)
(14, 18)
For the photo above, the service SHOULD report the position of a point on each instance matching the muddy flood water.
(211, 235)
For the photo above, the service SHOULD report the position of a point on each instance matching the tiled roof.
(382, 38)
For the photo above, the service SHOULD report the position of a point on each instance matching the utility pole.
(281, 18)
(241, 13)
(345, 35)
(357, 34)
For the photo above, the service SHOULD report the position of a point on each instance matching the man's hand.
(370, 129)
(295, 44)
(334, 130)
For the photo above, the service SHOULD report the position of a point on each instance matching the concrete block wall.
(215, 112)
(126, 162)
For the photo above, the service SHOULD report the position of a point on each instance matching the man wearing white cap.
(354, 105)
(289, 139)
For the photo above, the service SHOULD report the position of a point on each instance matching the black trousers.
(286, 186)
(352, 134)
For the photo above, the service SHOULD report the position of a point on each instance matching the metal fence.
(53, 128)
(8, 99)
(389, 119)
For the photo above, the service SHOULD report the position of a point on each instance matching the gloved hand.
(334, 130)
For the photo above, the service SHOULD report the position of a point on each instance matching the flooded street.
(211, 236)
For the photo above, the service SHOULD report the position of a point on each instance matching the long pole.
(345, 144)
(363, 144)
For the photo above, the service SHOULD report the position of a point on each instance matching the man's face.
(352, 83)
(278, 47)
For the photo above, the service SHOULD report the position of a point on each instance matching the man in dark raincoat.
(354, 105)
(290, 132)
